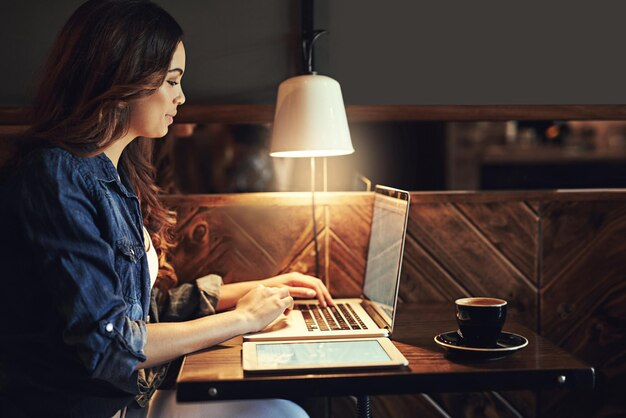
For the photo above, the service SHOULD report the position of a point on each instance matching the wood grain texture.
(463, 254)
(512, 230)
(243, 243)
(348, 235)
(430, 368)
(485, 112)
(556, 256)
(278, 199)
(264, 113)
(424, 279)
(583, 298)
(219, 234)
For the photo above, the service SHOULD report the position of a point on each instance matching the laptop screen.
(386, 245)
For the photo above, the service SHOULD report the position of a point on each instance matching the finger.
(282, 292)
(320, 296)
(268, 292)
(257, 291)
(302, 292)
(297, 279)
(300, 279)
(321, 292)
(325, 295)
(286, 304)
(289, 307)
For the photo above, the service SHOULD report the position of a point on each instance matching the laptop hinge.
(375, 315)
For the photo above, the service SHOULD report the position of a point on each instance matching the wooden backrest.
(539, 250)
(558, 257)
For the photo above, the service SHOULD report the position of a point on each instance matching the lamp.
(310, 121)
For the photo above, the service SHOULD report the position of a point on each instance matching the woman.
(78, 261)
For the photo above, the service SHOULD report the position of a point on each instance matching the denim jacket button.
(109, 327)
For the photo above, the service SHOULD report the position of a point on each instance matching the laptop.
(371, 315)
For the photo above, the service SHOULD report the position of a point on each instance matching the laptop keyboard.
(339, 317)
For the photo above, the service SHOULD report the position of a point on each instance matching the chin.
(160, 134)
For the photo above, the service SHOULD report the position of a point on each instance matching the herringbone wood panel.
(456, 250)
(583, 297)
(558, 259)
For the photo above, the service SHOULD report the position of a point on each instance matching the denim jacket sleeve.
(191, 300)
(184, 302)
(63, 217)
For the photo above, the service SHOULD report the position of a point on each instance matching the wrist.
(276, 281)
(246, 320)
(266, 282)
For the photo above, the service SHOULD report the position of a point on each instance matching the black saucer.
(507, 344)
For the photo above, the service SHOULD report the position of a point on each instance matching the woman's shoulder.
(55, 170)
(61, 164)
(50, 158)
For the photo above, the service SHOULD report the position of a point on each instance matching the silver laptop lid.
(386, 246)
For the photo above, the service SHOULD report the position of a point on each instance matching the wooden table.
(216, 373)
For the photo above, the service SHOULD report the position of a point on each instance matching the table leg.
(363, 407)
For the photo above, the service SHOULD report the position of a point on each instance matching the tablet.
(353, 353)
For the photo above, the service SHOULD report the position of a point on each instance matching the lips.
(170, 118)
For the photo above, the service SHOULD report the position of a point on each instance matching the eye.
(172, 83)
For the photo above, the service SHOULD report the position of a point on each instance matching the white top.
(153, 260)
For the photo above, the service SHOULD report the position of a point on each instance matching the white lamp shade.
(310, 119)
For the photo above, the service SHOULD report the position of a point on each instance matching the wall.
(489, 52)
(404, 52)
(237, 51)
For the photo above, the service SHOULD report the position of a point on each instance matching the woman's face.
(150, 116)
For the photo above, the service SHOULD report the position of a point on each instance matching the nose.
(180, 98)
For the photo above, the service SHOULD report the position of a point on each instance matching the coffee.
(481, 302)
(480, 320)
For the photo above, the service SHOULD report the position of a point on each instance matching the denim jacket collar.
(110, 174)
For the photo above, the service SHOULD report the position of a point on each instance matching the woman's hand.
(298, 284)
(262, 305)
(254, 311)
(301, 286)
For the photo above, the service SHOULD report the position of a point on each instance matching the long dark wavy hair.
(109, 53)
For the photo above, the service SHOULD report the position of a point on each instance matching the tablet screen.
(320, 352)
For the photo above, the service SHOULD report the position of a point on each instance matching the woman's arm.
(298, 284)
(169, 340)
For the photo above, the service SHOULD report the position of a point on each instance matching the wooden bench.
(557, 257)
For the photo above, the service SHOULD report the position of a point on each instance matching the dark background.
(400, 52)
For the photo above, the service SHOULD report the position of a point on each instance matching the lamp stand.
(317, 254)
(327, 226)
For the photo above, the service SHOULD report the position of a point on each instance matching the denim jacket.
(76, 286)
